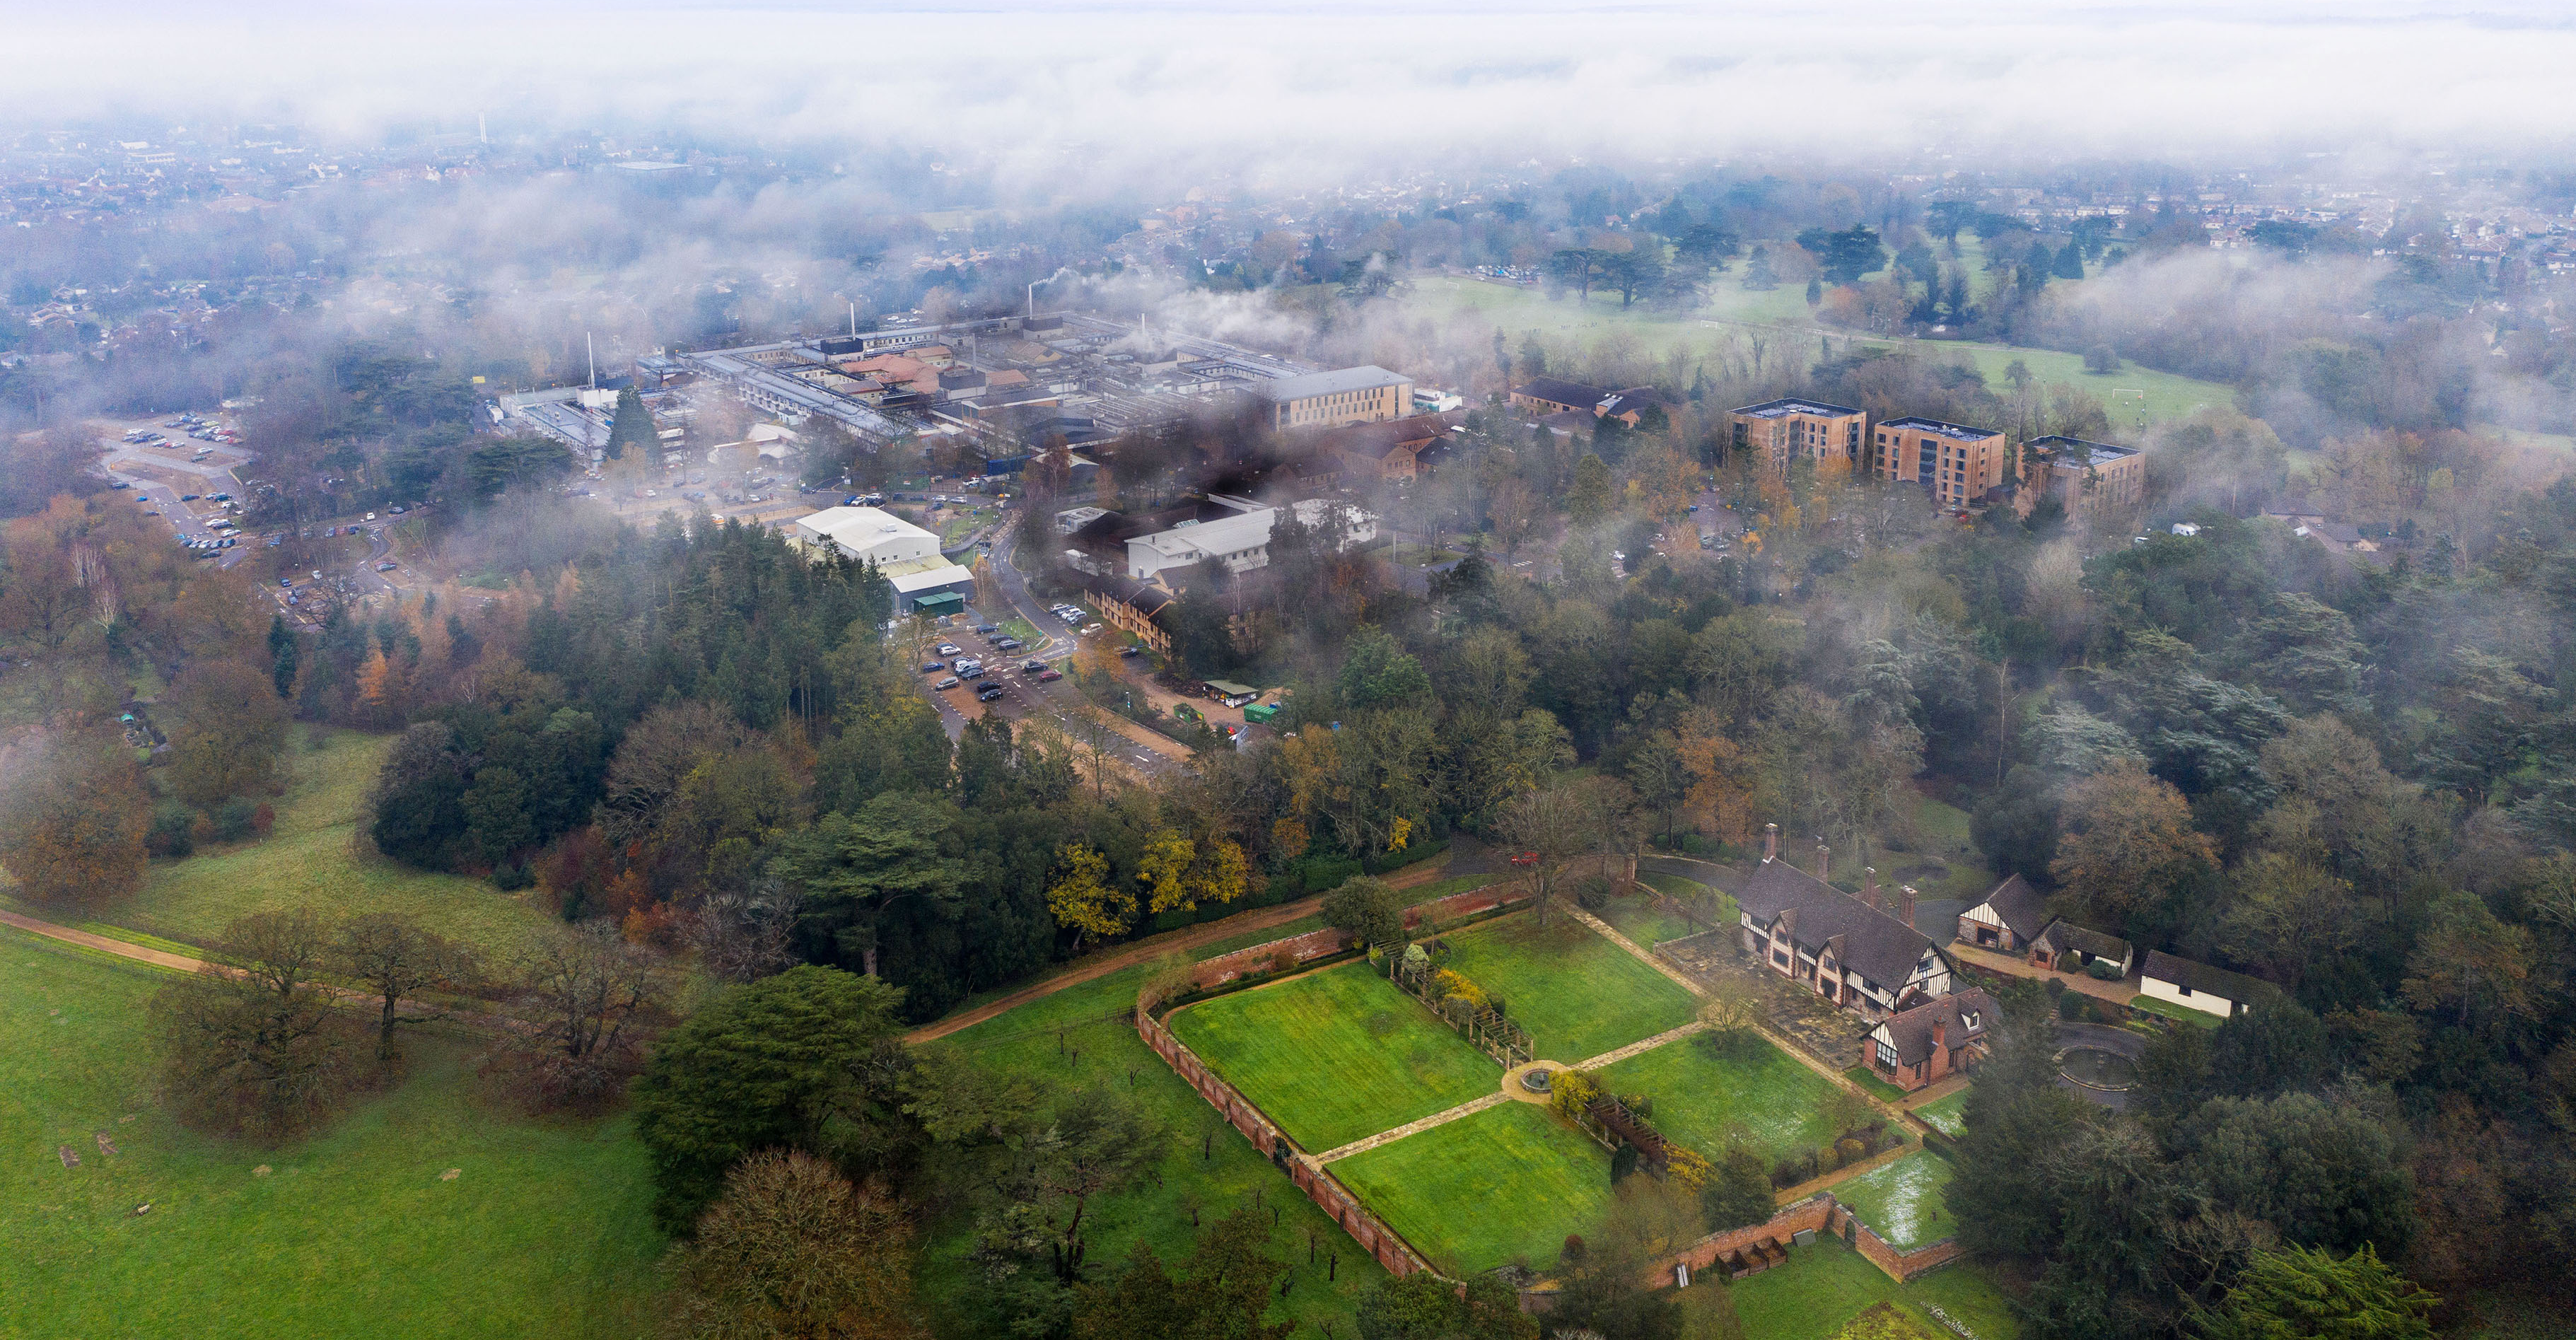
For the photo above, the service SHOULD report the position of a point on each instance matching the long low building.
(908, 556)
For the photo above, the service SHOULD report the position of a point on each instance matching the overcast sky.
(1129, 85)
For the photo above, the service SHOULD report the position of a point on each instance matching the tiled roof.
(1963, 1017)
(1879, 946)
(2020, 907)
(2233, 986)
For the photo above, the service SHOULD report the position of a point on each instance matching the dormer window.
(1968, 1019)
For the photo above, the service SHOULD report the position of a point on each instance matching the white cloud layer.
(1053, 93)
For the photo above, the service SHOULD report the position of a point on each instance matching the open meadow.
(1335, 1055)
(314, 859)
(360, 1230)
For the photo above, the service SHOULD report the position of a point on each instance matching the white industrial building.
(907, 555)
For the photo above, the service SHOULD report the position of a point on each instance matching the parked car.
(1033, 667)
(933, 667)
(988, 629)
(948, 683)
(1008, 644)
(948, 648)
(1049, 676)
(1131, 649)
(988, 693)
(387, 566)
(286, 581)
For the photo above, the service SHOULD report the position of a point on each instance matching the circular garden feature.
(1537, 1079)
(2098, 1068)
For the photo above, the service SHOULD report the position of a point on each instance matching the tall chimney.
(1940, 1034)
(1824, 862)
(1869, 885)
(1905, 903)
(1770, 842)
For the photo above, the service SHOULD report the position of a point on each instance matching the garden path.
(1363, 1145)
(2118, 993)
(86, 940)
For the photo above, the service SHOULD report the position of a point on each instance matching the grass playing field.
(352, 1232)
(1335, 1055)
(1092, 1025)
(310, 860)
(1948, 1115)
(1708, 1102)
(2134, 396)
(1578, 994)
(1903, 1200)
(1826, 1284)
(1505, 1184)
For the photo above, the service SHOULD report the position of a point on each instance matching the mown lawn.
(1084, 1035)
(1949, 1115)
(1335, 1055)
(1826, 1284)
(1639, 920)
(1506, 1184)
(313, 859)
(1578, 994)
(1708, 1102)
(1902, 1201)
(351, 1232)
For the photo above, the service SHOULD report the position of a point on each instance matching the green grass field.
(1335, 1055)
(1902, 1201)
(352, 1232)
(311, 859)
(1578, 994)
(1101, 1046)
(2134, 396)
(1826, 1284)
(1506, 1184)
(1707, 1102)
(1949, 1115)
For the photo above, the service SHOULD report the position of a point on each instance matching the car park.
(949, 683)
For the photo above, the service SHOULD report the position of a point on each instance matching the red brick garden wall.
(1373, 1236)
(1317, 944)
(1226, 967)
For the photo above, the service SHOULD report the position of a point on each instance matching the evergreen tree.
(632, 429)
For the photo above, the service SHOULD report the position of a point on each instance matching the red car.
(1049, 676)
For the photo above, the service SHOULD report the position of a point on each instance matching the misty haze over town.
(1142, 670)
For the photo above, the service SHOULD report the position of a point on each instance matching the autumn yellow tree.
(1720, 798)
(2128, 841)
(1084, 898)
(72, 820)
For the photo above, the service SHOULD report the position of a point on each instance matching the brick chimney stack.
(1770, 842)
(1824, 862)
(1940, 1035)
(1905, 903)
(1869, 885)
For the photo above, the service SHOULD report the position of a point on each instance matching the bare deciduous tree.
(251, 1042)
(588, 999)
(396, 960)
